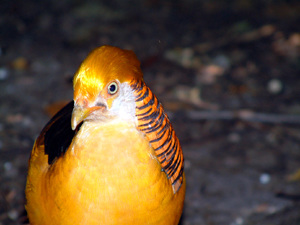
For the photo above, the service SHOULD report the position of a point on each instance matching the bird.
(111, 155)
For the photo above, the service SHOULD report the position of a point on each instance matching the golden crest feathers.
(103, 65)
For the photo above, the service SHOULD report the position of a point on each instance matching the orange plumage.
(110, 156)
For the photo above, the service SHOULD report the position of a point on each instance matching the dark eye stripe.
(165, 143)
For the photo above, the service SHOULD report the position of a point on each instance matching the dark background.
(227, 73)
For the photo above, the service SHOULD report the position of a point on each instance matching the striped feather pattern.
(155, 124)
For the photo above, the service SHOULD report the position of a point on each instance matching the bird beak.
(80, 113)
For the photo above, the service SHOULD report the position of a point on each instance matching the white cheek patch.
(124, 105)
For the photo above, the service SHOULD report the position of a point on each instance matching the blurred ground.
(214, 64)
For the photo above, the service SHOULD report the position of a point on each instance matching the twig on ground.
(245, 115)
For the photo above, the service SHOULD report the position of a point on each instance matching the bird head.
(102, 85)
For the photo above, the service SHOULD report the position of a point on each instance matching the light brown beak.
(79, 114)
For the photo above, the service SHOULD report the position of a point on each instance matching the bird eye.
(112, 88)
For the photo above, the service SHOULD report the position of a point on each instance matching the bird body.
(94, 162)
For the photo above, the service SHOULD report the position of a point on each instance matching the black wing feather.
(58, 134)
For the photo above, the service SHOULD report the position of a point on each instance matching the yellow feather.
(103, 65)
(110, 173)
(96, 183)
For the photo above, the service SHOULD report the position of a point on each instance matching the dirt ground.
(227, 73)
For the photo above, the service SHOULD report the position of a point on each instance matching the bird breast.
(110, 171)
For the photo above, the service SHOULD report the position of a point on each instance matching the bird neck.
(155, 124)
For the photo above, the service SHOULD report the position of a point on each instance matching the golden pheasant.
(110, 156)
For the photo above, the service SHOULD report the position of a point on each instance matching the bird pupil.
(112, 88)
